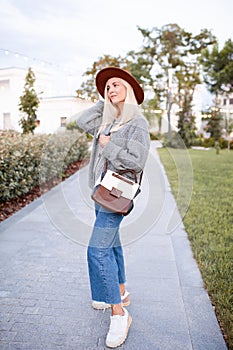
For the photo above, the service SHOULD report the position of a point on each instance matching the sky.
(68, 36)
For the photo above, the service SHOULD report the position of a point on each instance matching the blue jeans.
(105, 257)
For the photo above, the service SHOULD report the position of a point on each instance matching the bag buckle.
(115, 192)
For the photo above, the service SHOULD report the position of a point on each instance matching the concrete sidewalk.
(44, 290)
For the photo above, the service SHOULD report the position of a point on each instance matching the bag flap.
(128, 188)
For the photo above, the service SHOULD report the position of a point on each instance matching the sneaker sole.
(99, 307)
(127, 303)
(123, 339)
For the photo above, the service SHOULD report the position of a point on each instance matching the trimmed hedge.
(30, 160)
(210, 142)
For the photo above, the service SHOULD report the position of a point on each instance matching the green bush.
(72, 126)
(210, 142)
(197, 141)
(29, 160)
(223, 143)
(59, 151)
(175, 140)
(154, 136)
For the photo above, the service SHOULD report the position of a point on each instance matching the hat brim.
(110, 72)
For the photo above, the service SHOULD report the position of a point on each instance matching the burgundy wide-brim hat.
(113, 72)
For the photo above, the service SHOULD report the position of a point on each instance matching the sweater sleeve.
(90, 119)
(133, 156)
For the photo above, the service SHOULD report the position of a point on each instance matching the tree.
(151, 111)
(188, 77)
(88, 88)
(218, 75)
(171, 47)
(138, 69)
(29, 103)
(214, 124)
(218, 68)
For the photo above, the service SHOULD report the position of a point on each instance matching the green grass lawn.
(208, 222)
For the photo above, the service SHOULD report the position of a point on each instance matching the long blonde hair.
(110, 111)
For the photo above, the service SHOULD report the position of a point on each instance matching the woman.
(121, 141)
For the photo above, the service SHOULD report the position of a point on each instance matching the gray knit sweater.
(127, 149)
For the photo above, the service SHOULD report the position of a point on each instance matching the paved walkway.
(44, 290)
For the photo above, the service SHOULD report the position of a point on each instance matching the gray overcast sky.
(72, 34)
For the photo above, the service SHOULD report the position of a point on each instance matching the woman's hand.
(103, 140)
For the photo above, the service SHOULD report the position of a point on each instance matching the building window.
(63, 121)
(224, 102)
(4, 84)
(231, 101)
(6, 121)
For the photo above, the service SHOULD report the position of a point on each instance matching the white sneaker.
(101, 305)
(118, 329)
(123, 297)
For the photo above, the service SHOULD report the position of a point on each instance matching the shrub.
(197, 141)
(175, 140)
(27, 160)
(154, 136)
(59, 152)
(223, 143)
(72, 126)
(210, 142)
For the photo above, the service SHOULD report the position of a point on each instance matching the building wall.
(51, 111)
(11, 85)
(55, 111)
(226, 109)
(226, 105)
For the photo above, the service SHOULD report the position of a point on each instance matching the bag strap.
(121, 172)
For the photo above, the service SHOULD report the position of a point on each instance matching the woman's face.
(116, 91)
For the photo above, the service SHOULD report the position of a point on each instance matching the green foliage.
(153, 113)
(175, 140)
(88, 88)
(29, 103)
(72, 126)
(186, 128)
(171, 48)
(59, 151)
(165, 48)
(209, 226)
(154, 136)
(210, 142)
(214, 124)
(218, 67)
(27, 160)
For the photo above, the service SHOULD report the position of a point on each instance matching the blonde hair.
(110, 111)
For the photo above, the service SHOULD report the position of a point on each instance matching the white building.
(56, 108)
(53, 111)
(226, 109)
(226, 106)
